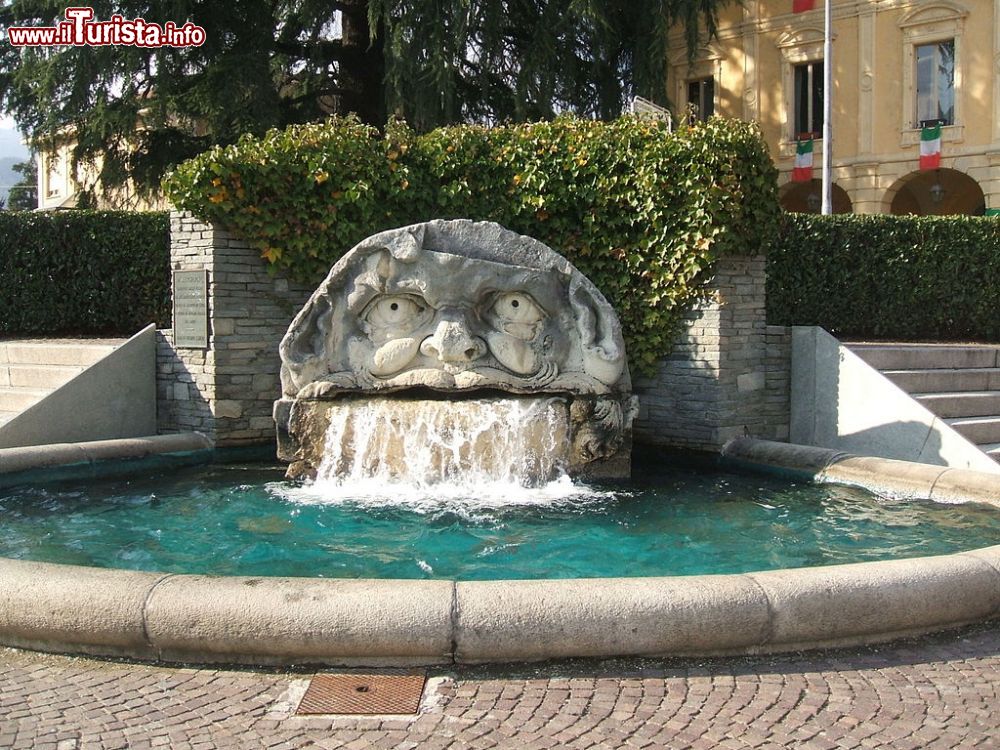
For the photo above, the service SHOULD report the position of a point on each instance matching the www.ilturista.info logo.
(80, 30)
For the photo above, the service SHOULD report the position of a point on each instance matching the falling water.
(483, 452)
(521, 441)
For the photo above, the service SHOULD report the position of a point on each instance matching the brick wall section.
(777, 381)
(728, 373)
(227, 390)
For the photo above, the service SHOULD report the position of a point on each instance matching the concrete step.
(927, 356)
(965, 404)
(38, 376)
(992, 450)
(946, 380)
(6, 416)
(75, 353)
(978, 430)
(19, 399)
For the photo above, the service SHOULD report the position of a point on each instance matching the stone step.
(19, 399)
(927, 356)
(75, 353)
(6, 416)
(38, 376)
(992, 450)
(946, 380)
(978, 430)
(963, 404)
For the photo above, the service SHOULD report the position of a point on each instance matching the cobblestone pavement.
(938, 692)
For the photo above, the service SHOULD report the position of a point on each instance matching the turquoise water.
(246, 520)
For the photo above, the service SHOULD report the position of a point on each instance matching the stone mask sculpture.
(458, 307)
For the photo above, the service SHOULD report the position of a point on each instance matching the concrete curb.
(19, 465)
(294, 620)
(72, 609)
(882, 475)
(283, 621)
(602, 617)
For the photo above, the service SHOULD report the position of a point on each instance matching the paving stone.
(941, 691)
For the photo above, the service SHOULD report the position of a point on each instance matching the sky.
(10, 139)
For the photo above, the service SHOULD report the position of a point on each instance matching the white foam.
(461, 496)
(464, 456)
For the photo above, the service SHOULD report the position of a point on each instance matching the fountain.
(455, 348)
(459, 350)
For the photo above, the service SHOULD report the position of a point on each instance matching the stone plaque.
(191, 309)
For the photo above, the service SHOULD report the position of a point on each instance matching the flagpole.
(827, 107)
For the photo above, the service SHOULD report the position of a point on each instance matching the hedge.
(83, 272)
(888, 277)
(639, 210)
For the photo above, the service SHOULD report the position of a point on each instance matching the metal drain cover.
(362, 693)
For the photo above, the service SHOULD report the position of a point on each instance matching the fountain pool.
(247, 520)
(235, 564)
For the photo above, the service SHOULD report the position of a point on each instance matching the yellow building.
(60, 186)
(897, 64)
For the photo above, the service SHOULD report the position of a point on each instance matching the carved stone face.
(454, 305)
(457, 306)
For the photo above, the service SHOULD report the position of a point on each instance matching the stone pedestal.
(227, 389)
(728, 373)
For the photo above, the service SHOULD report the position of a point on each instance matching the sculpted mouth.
(455, 369)
(471, 376)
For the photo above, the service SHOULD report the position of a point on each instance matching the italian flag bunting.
(803, 171)
(800, 6)
(930, 147)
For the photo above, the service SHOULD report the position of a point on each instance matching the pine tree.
(134, 112)
(451, 61)
(24, 194)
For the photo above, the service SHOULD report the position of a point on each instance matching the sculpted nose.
(452, 342)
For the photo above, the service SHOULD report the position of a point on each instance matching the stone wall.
(777, 398)
(226, 390)
(727, 375)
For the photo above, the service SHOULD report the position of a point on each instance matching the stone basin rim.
(182, 618)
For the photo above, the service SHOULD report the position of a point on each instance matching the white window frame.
(54, 177)
(687, 90)
(935, 92)
(798, 47)
(810, 65)
(707, 63)
(931, 24)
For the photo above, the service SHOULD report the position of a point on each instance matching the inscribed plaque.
(191, 309)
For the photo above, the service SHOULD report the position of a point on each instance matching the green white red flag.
(930, 147)
(803, 170)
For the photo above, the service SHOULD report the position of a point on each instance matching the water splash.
(435, 455)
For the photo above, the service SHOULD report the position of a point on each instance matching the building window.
(52, 176)
(935, 78)
(801, 87)
(809, 99)
(933, 71)
(701, 99)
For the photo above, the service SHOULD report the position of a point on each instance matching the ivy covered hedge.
(639, 210)
(83, 272)
(888, 277)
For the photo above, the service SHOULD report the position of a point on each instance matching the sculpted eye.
(514, 307)
(395, 311)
